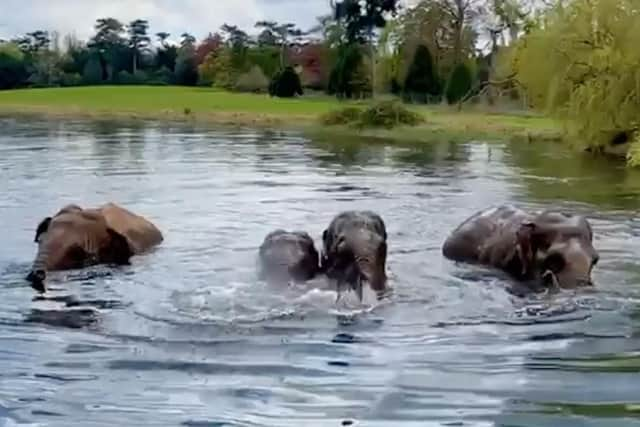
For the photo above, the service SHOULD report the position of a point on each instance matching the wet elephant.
(551, 249)
(77, 238)
(355, 251)
(288, 255)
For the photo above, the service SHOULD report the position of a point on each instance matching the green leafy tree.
(582, 65)
(224, 73)
(13, 72)
(422, 82)
(266, 57)
(459, 84)
(346, 78)
(109, 44)
(282, 34)
(362, 18)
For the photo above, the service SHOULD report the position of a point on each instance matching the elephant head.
(557, 250)
(76, 238)
(355, 251)
(288, 255)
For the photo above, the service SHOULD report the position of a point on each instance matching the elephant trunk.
(38, 272)
(373, 272)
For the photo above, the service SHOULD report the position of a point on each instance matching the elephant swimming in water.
(552, 249)
(355, 251)
(288, 255)
(77, 238)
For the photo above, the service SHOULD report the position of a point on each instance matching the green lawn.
(206, 104)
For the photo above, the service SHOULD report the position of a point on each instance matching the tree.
(433, 24)
(187, 41)
(39, 41)
(362, 18)
(238, 42)
(13, 72)
(281, 33)
(166, 55)
(267, 38)
(346, 78)
(162, 38)
(224, 73)
(422, 80)
(186, 66)
(210, 44)
(582, 66)
(108, 42)
(459, 83)
(138, 39)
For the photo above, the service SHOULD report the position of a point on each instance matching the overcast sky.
(175, 16)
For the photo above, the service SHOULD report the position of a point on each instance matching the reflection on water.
(188, 336)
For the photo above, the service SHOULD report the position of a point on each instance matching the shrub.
(285, 84)
(253, 81)
(459, 84)
(161, 77)
(342, 117)
(70, 79)
(387, 114)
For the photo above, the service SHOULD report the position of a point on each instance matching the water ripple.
(188, 336)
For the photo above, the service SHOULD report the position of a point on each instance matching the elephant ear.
(118, 250)
(42, 228)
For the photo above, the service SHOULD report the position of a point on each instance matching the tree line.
(426, 53)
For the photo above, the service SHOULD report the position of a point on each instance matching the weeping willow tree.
(582, 64)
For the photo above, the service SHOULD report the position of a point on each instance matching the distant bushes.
(385, 114)
(286, 84)
(253, 81)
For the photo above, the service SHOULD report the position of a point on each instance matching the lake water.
(187, 336)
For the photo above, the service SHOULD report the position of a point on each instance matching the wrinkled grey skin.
(355, 251)
(288, 256)
(550, 249)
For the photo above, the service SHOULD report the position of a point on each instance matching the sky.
(198, 17)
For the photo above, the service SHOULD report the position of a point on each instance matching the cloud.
(197, 17)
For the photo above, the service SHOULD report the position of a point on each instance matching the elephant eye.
(554, 262)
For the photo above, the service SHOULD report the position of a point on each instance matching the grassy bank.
(202, 104)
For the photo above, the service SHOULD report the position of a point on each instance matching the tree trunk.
(372, 52)
(135, 61)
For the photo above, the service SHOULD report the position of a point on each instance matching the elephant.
(288, 255)
(355, 251)
(76, 238)
(548, 249)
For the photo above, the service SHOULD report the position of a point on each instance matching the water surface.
(187, 336)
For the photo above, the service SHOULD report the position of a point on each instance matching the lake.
(187, 335)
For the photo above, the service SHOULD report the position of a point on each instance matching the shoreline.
(131, 103)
